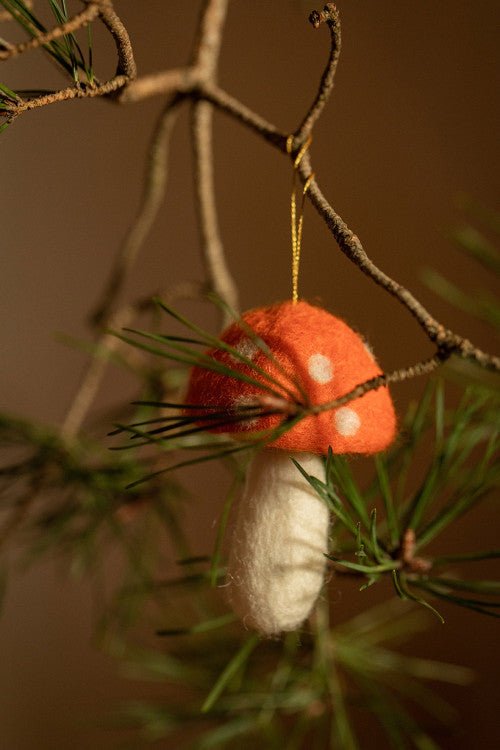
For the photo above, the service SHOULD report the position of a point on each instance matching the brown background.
(411, 126)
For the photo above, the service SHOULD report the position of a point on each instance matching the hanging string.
(296, 225)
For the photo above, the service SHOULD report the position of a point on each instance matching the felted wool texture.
(316, 351)
(277, 561)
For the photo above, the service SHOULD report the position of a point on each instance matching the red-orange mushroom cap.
(317, 358)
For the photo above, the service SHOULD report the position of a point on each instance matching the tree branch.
(233, 107)
(105, 316)
(205, 59)
(6, 16)
(155, 182)
(186, 81)
(208, 42)
(330, 16)
(351, 246)
(126, 62)
(165, 82)
(80, 91)
(89, 384)
(73, 24)
(107, 343)
(425, 367)
(126, 67)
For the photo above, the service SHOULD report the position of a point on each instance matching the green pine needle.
(233, 667)
(66, 51)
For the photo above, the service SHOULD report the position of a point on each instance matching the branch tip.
(329, 15)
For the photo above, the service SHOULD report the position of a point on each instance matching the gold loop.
(296, 226)
(302, 151)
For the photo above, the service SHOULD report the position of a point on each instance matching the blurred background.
(409, 135)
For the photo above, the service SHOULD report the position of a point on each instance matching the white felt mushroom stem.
(277, 560)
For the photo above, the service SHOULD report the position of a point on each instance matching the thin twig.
(219, 278)
(425, 367)
(72, 24)
(126, 69)
(205, 60)
(208, 41)
(351, 246)
(232, 106)
(126, 65)
(107, 343)
(126, 62)
(165, 82)
(92, 377)
(186, 81)
(155, 181)
(330, 16)
(104, 316)
(6, 16)
(79, 91)
(181, 290)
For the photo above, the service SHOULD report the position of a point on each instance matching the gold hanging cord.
(297, 223)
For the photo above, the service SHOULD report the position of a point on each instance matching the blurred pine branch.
(73, 495)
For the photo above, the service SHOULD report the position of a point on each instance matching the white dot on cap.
(320, 368)
(347, 422)
(246, 347)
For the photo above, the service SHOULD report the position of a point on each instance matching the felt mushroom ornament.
(290, 358)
